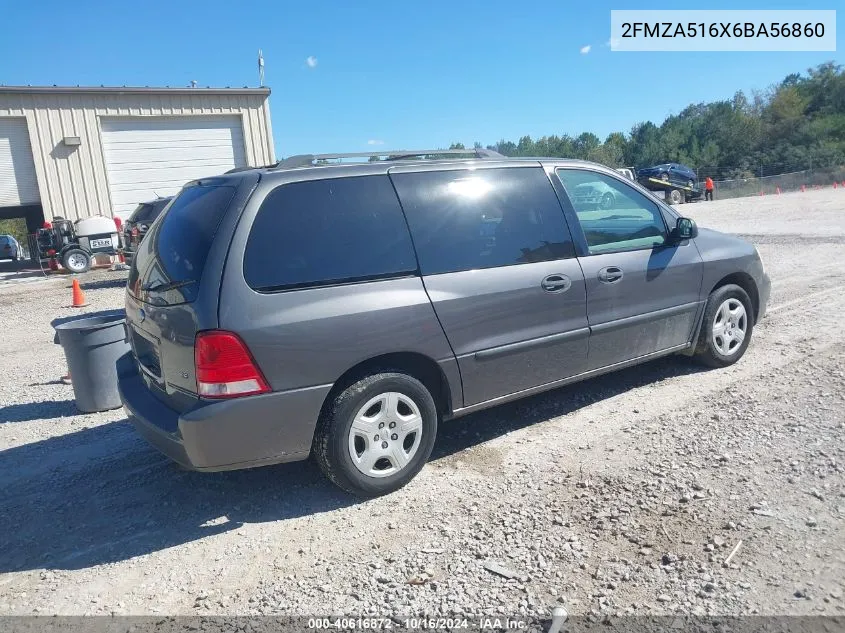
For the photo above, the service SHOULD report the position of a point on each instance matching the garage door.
(18, 184)
(155, 156)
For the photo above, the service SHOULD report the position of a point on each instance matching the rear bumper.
(225, 435)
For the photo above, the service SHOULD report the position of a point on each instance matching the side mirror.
(685, 229)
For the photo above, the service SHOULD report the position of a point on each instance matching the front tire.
(607, 201)
(377, 434)
(728, 324)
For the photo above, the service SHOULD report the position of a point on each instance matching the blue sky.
(405, 74)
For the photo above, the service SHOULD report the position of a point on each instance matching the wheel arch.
(747, 283)
(422, 367)
(741, 279)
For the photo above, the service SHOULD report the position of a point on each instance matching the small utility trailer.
(74, 244)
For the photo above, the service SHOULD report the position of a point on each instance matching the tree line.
(796, 124)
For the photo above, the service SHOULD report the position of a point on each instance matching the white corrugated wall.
(72, 180)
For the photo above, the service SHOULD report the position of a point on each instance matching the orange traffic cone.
(78, 296)
(835, 184)
(777, 190)
(803, 188)
(761, 192)
(843, 183)
(120, 257)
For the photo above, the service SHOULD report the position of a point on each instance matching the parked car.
(343, 311)
(10, 248)
(670, 172)
(138, 223)
(628, 172)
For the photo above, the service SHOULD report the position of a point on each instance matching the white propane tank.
(95, 225)
(97, 234)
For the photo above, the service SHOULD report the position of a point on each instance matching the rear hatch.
(174, 283)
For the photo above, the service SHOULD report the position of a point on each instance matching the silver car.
(344, 310)
(594, 193)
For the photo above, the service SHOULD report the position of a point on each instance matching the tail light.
(135, 231)
(118, 223)
(224, 366)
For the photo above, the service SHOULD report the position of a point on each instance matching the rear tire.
(376, 434)
(727, 327)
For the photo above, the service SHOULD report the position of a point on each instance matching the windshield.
(170, 261)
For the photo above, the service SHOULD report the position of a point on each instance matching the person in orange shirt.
(708, 189)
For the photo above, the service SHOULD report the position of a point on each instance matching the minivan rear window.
(142, 213)
(325, 232)
(176, 251)
(148, 211)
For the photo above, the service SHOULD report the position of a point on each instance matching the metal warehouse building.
(78, 152)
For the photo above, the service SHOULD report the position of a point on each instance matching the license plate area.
(101, 243)
(145, 348)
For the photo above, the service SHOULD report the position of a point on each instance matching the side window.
(613, 215)
(469, 219)
(322, 232)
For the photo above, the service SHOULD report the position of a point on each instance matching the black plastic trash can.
(92, 345)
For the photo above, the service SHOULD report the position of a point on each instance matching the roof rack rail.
(311, 160)
(248, 168)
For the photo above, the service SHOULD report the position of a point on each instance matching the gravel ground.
(624, 494)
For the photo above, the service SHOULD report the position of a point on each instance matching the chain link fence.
(793, 181)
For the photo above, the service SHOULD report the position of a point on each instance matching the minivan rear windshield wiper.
(172, 285)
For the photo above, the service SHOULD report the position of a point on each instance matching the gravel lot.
(624, 494)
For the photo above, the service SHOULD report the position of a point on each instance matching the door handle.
(610, 274)
(556, 283)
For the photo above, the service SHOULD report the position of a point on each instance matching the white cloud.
(585, 49)
(612, 42)
(311, 61)
(374, 141)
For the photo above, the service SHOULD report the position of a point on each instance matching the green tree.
(800, 122)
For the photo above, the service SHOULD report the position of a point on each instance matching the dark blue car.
(671, 172)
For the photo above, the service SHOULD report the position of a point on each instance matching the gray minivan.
(344, 310)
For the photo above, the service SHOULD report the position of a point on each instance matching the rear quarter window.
(325, 232)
